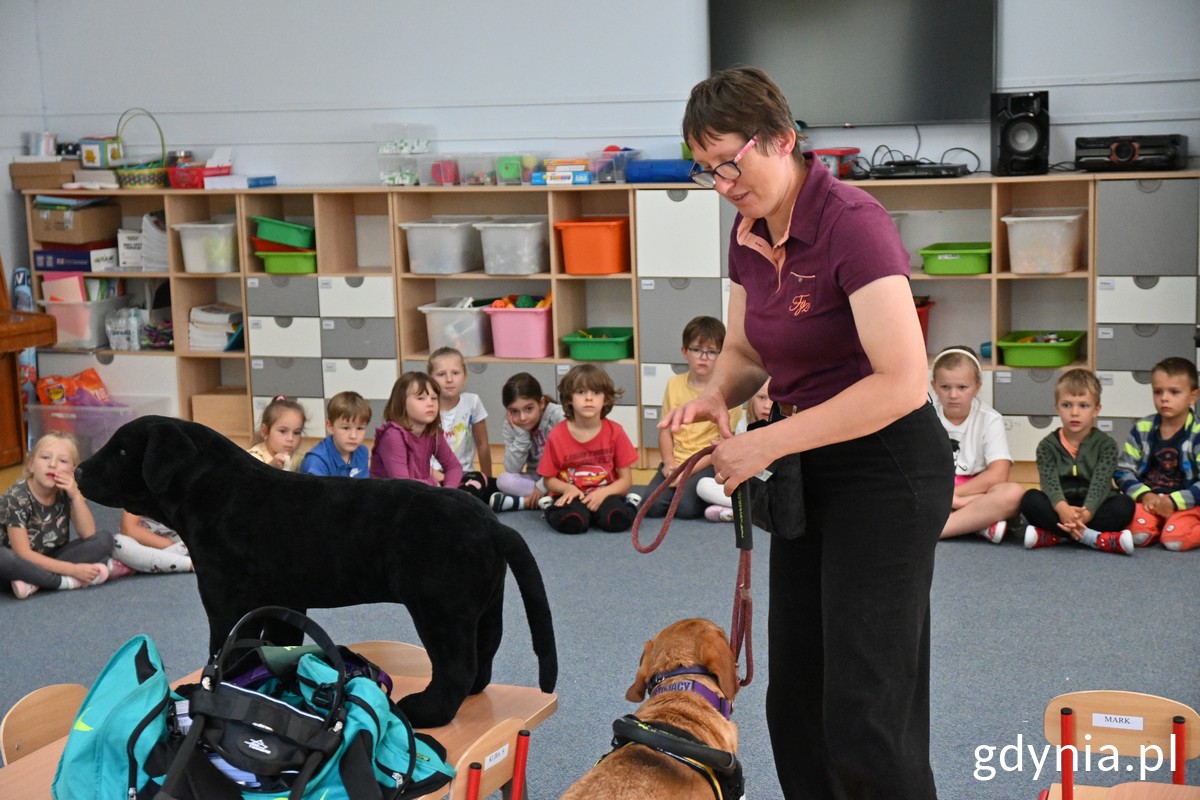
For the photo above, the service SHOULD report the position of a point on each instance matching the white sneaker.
(994, 533)
(634, 499)
(545, 502)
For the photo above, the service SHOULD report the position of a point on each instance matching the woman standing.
(866, 479)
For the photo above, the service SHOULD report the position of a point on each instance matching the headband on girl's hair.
(278, 398)
(960, 351)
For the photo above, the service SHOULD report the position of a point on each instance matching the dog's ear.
(637, 692)
(717, 657)
(167, 449)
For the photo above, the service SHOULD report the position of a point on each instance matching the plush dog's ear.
(717, 657)
(637, 691)
(167, 449)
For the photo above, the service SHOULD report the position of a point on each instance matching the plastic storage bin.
(1038, 352)
(208, 246)
(521, 332)
(450, 324)
(92, 426)
(1044, 241)
(923, 315)
(957, 258)
(516, 168)
(595, 245)
(289, 233)
(299, 262)
(600, 344)
(444, 245)
(437, 170)
(515, 245)
(397, 169)
(608, 166)
(82, 324)
(477, 169)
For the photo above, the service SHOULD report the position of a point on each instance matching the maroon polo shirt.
(798, 315)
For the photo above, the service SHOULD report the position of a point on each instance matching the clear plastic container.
(516, 168)
(434, 169)
(82, 324)
(402, 137)
(208, 246)
(465, 328)
(518, 245)
(608, 166)
(92, 426)
(398, 170)
(1044, 241)
(477, 169)
(444, 245)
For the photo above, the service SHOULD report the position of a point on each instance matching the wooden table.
(30, 777)
(18, 330)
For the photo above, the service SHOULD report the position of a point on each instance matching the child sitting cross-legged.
(588, 460)
(342, 453)
(529, 416)
(411, 434)
(1077, 499)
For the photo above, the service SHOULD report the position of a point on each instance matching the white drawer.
(314, 415)
(627, 418)
(1148, 300)
(356, 296)
(1125, 394)
(373, 378)
(1024, 433)
(678, 233)
(285, 336)
(654, 381)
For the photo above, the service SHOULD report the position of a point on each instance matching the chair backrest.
(396, 658)
(1131, 723)
(39, 718)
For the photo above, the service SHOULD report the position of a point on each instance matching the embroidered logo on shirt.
(800, 304)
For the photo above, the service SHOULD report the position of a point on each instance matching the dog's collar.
(721, 769)
(660, 683)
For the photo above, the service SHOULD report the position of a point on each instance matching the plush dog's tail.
(537, 607)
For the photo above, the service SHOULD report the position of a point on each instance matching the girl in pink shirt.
(412, 433)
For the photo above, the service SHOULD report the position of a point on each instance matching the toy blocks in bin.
(436, 170)
(458, 322)
(600, 344)
(596, 245)
(1039, 348)
(516, 168)
(521, 332)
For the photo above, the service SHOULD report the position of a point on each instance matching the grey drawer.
(1147, 227)
(281, 296)
(1118, 428)
(358, 337)
(1025, 392)
(1140, 347)
(665, 306)
(294, 377)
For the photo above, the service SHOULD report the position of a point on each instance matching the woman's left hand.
(739, 458)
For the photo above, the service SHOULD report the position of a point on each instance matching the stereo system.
(1020, 133)
(1116, 153)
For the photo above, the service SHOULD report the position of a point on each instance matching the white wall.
(295, 86)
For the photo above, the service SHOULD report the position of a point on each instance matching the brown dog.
(639, 772)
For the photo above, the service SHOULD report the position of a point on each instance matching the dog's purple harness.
(658, 686)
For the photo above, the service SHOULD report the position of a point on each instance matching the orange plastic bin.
(595, 245)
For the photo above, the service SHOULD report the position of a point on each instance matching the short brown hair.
(1076, 382)
(742, 101)
(1177, 366)
(396, 409)
(348, 405)
(587, 376)
(704, 329)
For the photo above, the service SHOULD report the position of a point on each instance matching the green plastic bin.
(957, 258)
(600, 344)
(289, 263)
(289, 233)
(1039, 353)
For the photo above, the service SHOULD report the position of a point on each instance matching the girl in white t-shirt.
(984, 497)
(463, 422)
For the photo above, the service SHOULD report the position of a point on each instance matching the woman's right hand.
(705, 407)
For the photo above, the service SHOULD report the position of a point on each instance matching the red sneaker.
(1115, 542)
(1036, 537)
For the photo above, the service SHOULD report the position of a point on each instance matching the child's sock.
(21, 589)
(1089, 537)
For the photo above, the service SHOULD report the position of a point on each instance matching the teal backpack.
(264, 722)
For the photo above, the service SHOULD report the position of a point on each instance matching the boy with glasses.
(703, 338)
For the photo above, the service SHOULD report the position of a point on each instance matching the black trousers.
(690, 504)
(848, 700)
(1114, 514)
(614, 516)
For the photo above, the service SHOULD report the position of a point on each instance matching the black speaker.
(1020, 133)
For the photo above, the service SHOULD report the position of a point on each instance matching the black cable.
(972, 153)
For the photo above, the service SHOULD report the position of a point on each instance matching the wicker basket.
(150, 175)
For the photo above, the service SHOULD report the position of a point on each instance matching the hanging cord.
(743, 604)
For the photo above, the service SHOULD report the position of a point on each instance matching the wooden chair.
(497, 754)
(1131, 724)
(396, 658)
(39, 718)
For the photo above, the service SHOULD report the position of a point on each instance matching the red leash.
(740, 638)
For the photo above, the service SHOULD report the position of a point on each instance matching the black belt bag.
(777, 493)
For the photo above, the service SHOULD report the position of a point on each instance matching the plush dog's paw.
(424, 711)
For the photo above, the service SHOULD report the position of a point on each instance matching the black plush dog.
(260, 536)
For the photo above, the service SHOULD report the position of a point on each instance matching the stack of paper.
(154, 243)
(214, 327)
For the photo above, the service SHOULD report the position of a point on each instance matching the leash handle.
(678, 478)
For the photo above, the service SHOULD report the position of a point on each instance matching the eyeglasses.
(729, 170)
(699, 353)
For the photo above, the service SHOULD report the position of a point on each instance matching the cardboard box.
(42, 174)
(76, 226)
(225, 409)
(102, 259)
